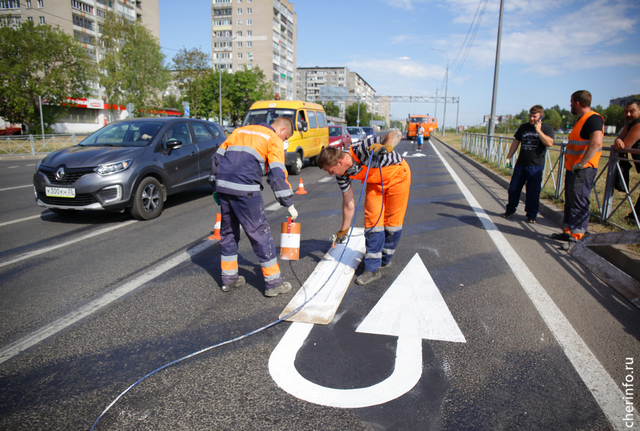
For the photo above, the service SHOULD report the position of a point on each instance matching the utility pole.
(446, 85)
(495, 83)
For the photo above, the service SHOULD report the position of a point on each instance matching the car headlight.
(113, 168)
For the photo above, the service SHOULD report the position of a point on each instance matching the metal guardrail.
(494, 149)
(36, 144)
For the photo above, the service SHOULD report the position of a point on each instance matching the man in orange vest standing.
(236, 176)
(581, 163)
(387, 195)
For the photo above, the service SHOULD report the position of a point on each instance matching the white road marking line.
(325, 179)
(17, 187)
(603, 388)
(273, 207)
(20, 220)
(41, 334)
(64, 244)
(12, 167)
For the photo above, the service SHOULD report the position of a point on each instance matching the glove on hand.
(216, 199)
(577, 167)
(340, 236)
(292, 212)
(380, 149)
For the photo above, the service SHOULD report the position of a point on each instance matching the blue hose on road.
(248, 334)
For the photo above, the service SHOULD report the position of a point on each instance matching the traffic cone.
(301, 190)
(216, 229)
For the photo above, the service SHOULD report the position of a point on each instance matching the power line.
(473, 29)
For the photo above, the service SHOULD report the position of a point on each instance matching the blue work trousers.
(532, 177)
(577, 190)
(249, 212)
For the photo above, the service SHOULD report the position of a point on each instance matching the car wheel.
(296, 167)
(148, 200)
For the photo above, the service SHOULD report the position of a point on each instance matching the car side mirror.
(173, 145)
(302, 125)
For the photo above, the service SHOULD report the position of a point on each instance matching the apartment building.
(83, 20)
(256, 33)
(314, 83)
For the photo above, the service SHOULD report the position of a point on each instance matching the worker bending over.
(236, 176)
(382, 218)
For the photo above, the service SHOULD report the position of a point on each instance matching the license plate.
(59, 192)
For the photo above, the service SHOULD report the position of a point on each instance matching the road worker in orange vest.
(582, 156)
(382, 219)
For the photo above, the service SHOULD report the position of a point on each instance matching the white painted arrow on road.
(406, 154)
(411, 309)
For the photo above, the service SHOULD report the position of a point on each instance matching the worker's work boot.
(239, 282)
(283, 288)
(368, 276)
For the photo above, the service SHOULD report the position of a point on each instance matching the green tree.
(351, 114)
(171, 101)
(132, 67)
(209, 94)
(614, 116)
(553, 118)
(40, 61)
(248, 86)
(331, 109)
(190, 66)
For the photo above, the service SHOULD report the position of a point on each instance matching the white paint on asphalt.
(603, 388)
(66, 243)
(273, 207)
(325, 179)
(16, 187)
(406, 373)
(42, 334)
(20, 220)
(415, 310)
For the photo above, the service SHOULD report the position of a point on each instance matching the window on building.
(239, 11)
(42, 21)
(222, 12)
(249, 10)
(239, 22)
(29, 6)
(82, 22)
(239, 55)
(249, 44)
(239, 44)
(30, 18)
(249, 22)
(249, 32)
(239, 33)
(40, 5)
(10, 4)
(249, 66)
(10, 21)
(75, 4)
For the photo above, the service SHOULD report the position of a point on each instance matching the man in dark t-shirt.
(630, 138)
(533, 138)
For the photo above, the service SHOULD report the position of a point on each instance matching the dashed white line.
(20, 220)
(41, 334)
(64, 244)
(16, 187)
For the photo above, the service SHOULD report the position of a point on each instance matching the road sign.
(408, 310)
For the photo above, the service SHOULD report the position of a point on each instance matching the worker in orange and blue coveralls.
(382, 220)
(236, 176)
(582, 157)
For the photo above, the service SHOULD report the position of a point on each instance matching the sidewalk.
(620, 256)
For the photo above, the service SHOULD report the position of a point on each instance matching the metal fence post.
(560, 171)
(607, 199)
(33, 148)
(74, 138)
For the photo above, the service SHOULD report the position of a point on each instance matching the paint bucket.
(290, 240)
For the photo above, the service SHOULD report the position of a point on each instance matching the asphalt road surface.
(480, 323)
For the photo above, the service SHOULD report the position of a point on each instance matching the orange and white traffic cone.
(301, 190)
(216, 229)
(290, 240)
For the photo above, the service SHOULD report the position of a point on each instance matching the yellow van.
(311, 130)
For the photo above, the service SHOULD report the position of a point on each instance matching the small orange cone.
(216, 229)
(301, 190)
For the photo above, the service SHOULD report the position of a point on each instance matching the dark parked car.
(130, 164)
(370, 131)
(339, 137)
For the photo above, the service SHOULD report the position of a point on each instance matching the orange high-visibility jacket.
(578, 146)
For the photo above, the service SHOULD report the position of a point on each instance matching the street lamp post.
(446, 85)
(436, 113)
(220, 80)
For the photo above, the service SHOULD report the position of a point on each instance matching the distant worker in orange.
(383, 215)
(581, 163)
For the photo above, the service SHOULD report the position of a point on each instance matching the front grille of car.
(70, 175)
(78, 201)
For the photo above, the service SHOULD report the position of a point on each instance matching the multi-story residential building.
(256, 33)
(314, 83)
(83, 20)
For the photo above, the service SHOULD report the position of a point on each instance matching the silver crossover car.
(131, 164)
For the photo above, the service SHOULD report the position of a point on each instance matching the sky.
(549, 49)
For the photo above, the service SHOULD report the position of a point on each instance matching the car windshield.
(368, 129)
(419, 119)
(259, 116)
(334, 131)
(354, 130)
(124, 134)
